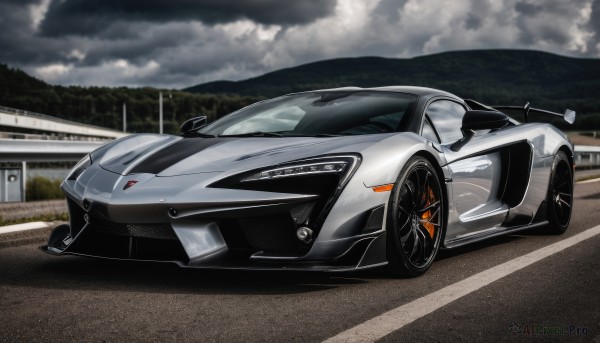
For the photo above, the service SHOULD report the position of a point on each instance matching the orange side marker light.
(383, 188)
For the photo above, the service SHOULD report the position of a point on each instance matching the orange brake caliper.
(426, 216)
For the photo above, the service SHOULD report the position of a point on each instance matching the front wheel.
(415, 222)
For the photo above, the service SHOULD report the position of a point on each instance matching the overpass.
(10, 117)
(18, 150)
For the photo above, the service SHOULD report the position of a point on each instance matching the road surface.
(46, 298)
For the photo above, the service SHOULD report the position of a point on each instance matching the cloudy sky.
(179, 43)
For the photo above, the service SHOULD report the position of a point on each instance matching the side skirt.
(455, 243)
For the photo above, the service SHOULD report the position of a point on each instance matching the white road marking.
(23, 227)
(382, 325)
(588, 181)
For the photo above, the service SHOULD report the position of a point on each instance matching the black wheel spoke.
(403, 210)
(415, 246)
(562, 184)
(424, 189)
(405, 230)
(419, 216)
(564, 202)
(432, 206)
(562, 193)
(428, 221)
(411, 195)
(423, 238)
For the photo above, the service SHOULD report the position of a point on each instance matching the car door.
(474, 204)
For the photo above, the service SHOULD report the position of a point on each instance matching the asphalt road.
(69, 298)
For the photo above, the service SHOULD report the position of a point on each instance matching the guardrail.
(11, 110)
(17, 150)
(36, 121)
(587, 156)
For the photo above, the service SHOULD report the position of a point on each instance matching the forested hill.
(490, 76)
(102, 106)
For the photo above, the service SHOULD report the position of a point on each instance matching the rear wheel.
(415, 222)
(560, 194)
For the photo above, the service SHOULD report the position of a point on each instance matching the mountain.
(102, 106)
(490, 76)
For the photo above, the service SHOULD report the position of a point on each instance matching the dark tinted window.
(334, 113)
(447, 119)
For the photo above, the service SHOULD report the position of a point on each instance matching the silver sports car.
(332, 180)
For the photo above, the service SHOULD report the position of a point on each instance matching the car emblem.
(129, 184)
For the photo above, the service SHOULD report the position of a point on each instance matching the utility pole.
(160, 113)
(24, 181)
(124, 117)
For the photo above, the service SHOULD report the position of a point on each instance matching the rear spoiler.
(568, 116)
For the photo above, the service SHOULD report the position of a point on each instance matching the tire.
(415, 220)
(560, 195)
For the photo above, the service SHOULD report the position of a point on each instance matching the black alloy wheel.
(416, 216)
(560, 194)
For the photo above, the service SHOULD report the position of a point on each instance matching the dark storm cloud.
(472, 22)
(528, 9)
(543, 22)
(595, 18)
(17, 37)
(186, 42)
(20, 2)
(88, 18)
(389, 9)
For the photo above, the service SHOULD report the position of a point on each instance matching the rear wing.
(568, 116)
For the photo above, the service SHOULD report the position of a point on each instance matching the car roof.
(419, 91)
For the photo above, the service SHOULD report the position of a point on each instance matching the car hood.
(165, 155)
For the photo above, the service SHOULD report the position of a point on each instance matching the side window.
(428, 132)
(447, 119)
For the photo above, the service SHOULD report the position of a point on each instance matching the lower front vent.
(158, 231)
(155, 242)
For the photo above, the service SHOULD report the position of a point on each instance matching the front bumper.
(185, 221)
(237, 238)
(203, 246)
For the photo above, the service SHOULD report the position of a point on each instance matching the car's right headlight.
(326, 167)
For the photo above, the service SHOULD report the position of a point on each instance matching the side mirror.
(192, 125)
(479, 120)
(484, 120)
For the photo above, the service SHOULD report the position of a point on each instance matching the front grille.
(156, 242)
(157, 231)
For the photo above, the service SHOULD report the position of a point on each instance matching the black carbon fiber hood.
(170, 155)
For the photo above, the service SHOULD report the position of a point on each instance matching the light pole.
(160, 113)
(124, 117)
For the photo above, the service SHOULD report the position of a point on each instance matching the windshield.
(318, 114)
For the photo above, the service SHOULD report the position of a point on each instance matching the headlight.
(301, 169)
(323, 176)
(310, 176)
(79, 168)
